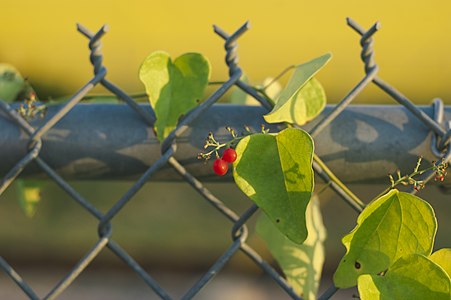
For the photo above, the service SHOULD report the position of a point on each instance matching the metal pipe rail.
(108, 142)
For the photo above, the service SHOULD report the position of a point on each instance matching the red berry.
(220, 167)
(229, 155)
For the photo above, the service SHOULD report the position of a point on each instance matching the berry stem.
(409, 179)
(212, 142)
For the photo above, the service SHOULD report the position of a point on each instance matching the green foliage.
(303, 98)
(275, 171)
(310, 101)
(301, 264)
(442, 258)
(413, 277)
(392, 226)
(173, 88)
(11, 83)
(29, 194)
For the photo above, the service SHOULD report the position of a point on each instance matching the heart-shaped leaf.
(173, 88)
(394, 225)
(301, 264)
(442, 258)
(412, 277)
(303, 98)
(275, 171)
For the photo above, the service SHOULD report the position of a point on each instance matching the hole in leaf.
(357, 265)
(277, 220)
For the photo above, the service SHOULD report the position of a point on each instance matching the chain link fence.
(441, 147)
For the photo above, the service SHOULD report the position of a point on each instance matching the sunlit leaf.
(11, 83)
(392, 226)
(412, 277)
(442, 258)
(303, 98)
(275, 171)
(173, 88)
(301, 264)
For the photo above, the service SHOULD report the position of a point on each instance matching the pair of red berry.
(220, 166)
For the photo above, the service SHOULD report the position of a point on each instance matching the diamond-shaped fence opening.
(238, 231)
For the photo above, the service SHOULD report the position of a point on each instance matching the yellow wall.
(413, 48)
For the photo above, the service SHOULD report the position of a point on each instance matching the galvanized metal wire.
(239, 232)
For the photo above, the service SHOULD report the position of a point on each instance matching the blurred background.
(412, 48)
(168, 228)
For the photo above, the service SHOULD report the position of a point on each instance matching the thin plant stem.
(284, 71)
(337, 181)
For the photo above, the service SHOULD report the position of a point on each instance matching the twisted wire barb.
(367, 43)
(398, 96)
(371, 69)
(95, 45)
(96, 59)
(231, 46)
(232, 61)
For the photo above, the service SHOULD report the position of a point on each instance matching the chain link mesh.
(239, 232)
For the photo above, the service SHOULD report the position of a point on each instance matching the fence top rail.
(108, 142)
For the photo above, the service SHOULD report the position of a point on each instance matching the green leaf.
(394, 225)
(11, 83)
(29, 194)
(173, 88)
(442, 258)
(303, 98)
(306, 105)
(301, 264)
(412, 277)
(275, 171)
